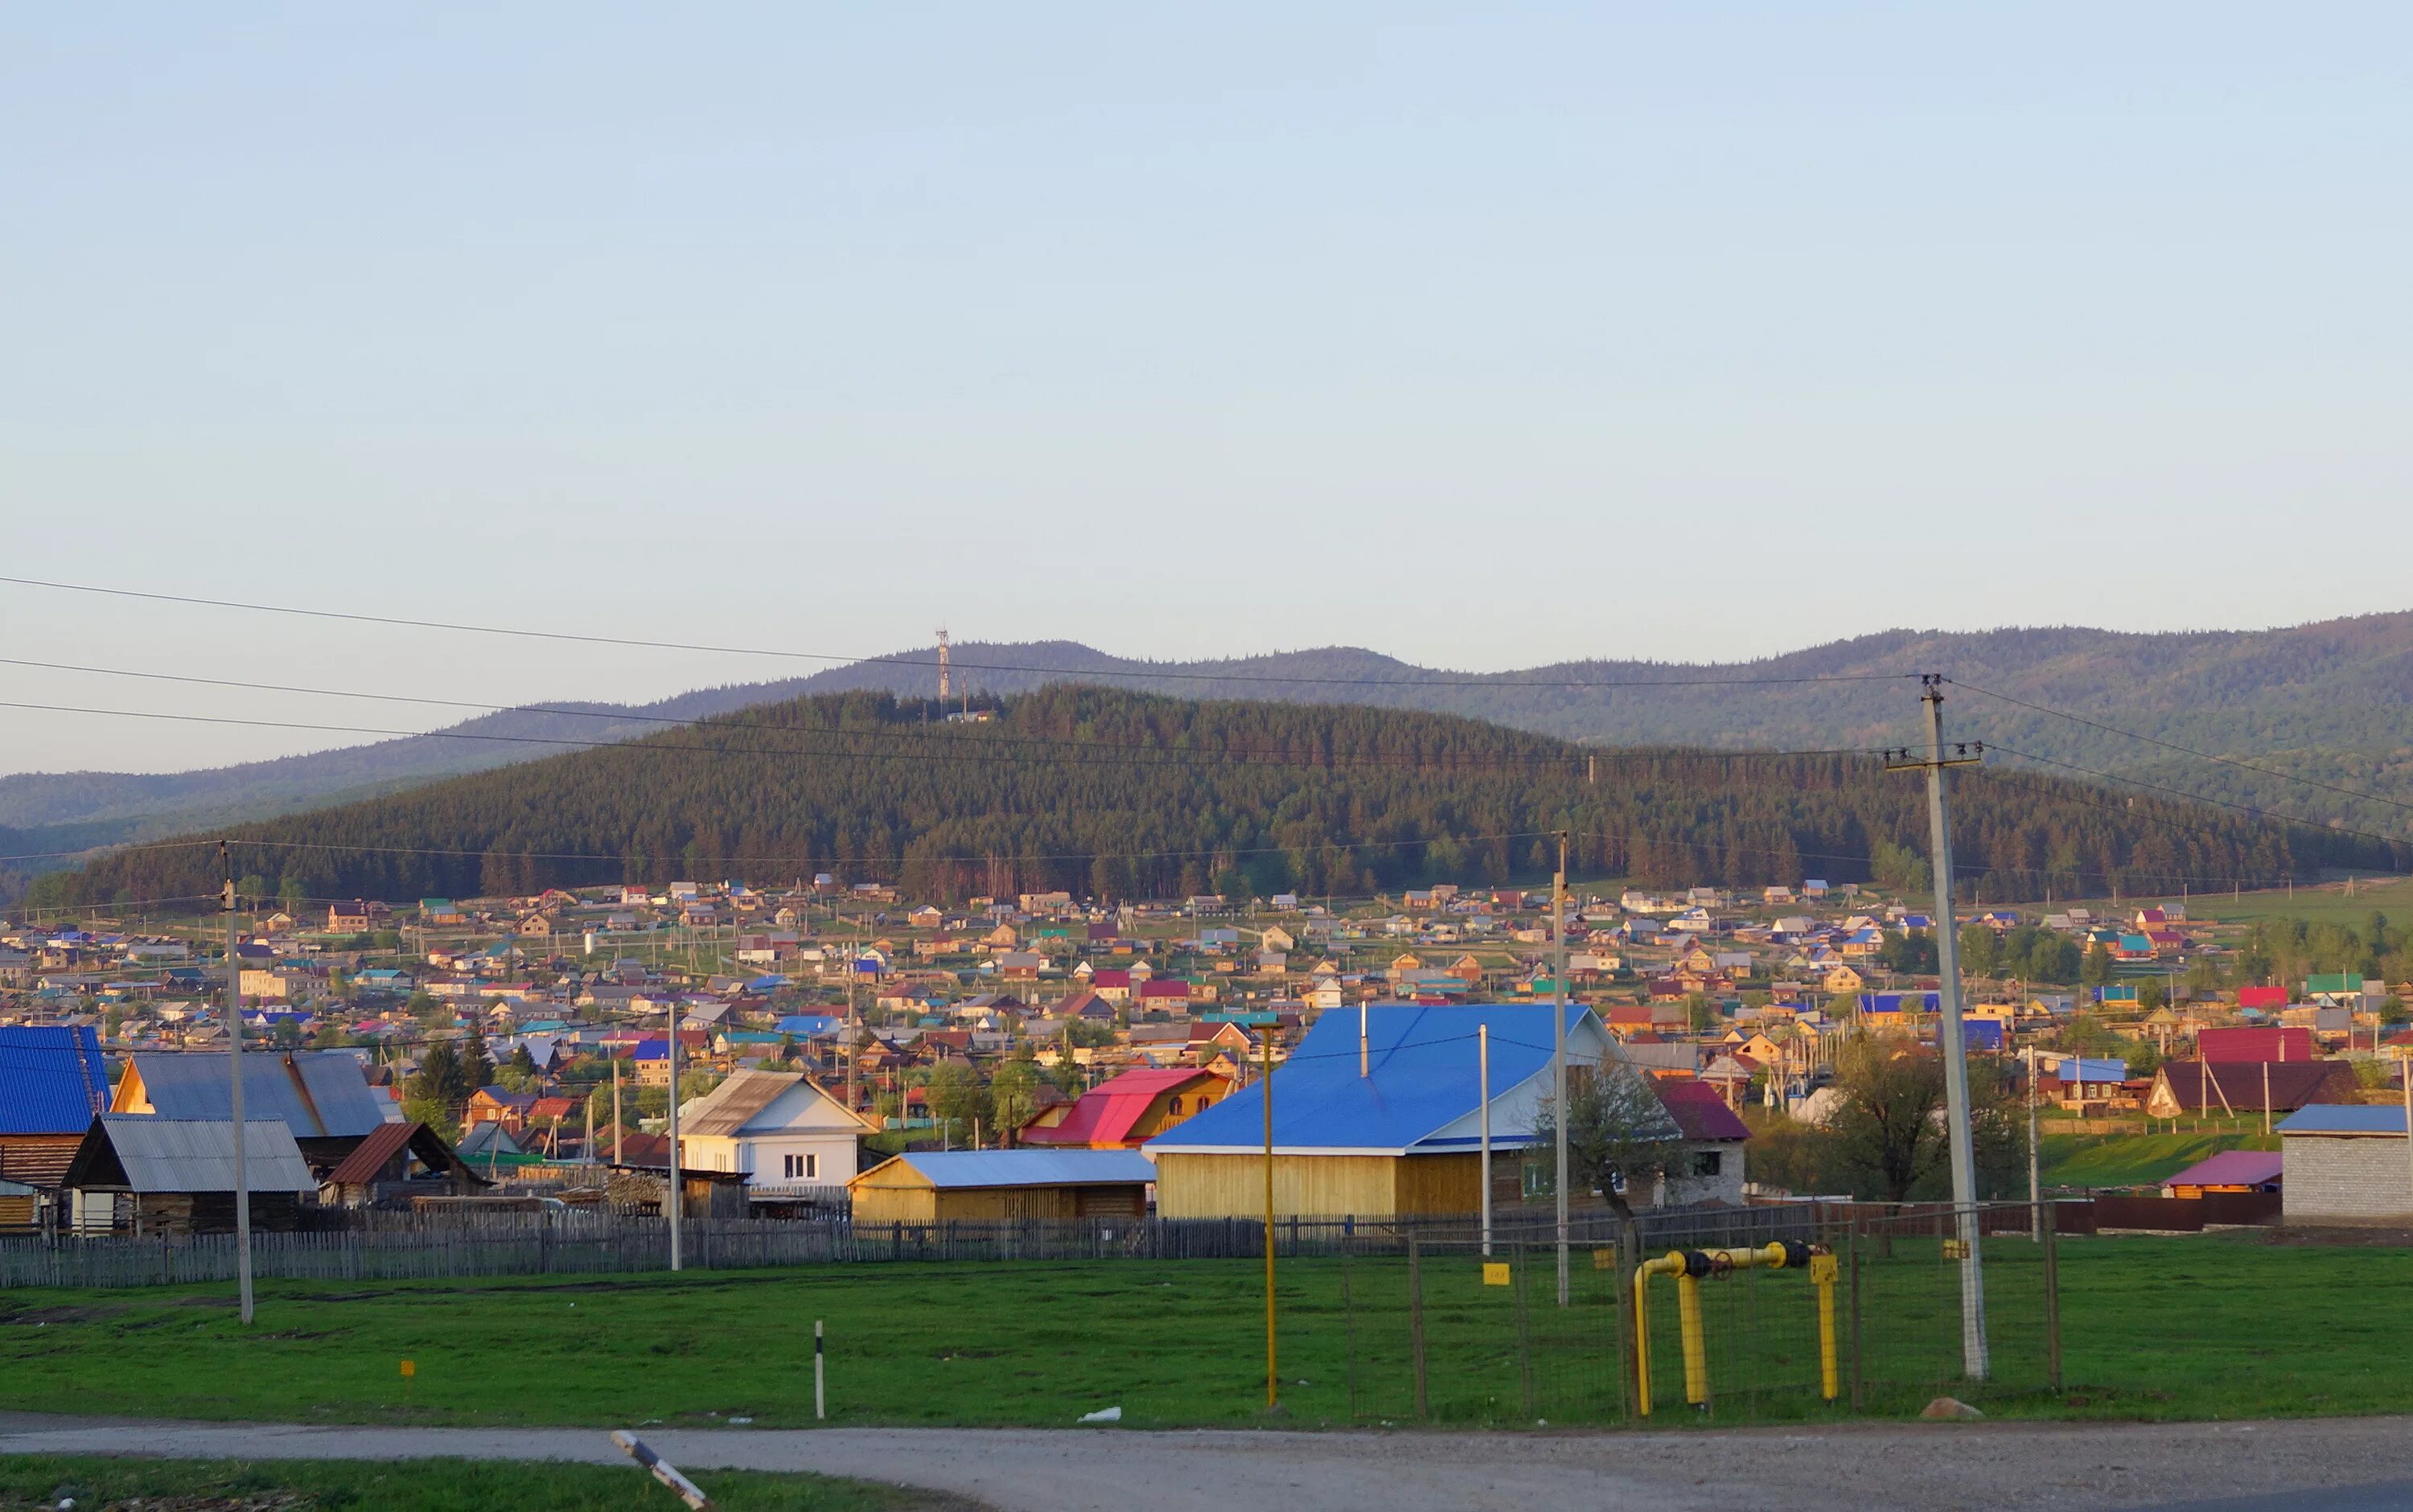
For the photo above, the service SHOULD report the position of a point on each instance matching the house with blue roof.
(52, 1084)
(2345, 1164)
(1385, 1126)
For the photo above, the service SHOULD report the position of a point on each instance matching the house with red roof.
(1125, 1112)
(1709, 1166)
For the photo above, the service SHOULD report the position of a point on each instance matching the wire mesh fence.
(1796, 1312)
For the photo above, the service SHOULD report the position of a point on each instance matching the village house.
(2345, 1165)
(778, 1127)
(148, 1176)
(1398, 1140)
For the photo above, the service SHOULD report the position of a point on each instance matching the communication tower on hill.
(942, 663)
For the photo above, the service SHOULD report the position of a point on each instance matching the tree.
(477, 1066)
(957, 1096)
(439, 1093)
(1912, 954)
(2100, 968)
(2152, 993)
(289, 894)
(1699, 1013)
(1890, 1134)
(1981, 950)
(1013, 1095)
(522, 1062)
(1620, 1137)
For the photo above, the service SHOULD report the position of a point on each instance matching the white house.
(777, 1126)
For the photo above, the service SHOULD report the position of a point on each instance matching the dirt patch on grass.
(32, 1315)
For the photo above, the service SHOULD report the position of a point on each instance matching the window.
(800, 1167)
(1176, 1108)
(1203, 1101)
(1707, 1162)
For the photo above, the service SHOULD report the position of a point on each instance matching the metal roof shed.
(176, 1175)
(1004, 1186)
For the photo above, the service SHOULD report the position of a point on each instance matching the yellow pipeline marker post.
(1823, 1268)
(1688, 1268)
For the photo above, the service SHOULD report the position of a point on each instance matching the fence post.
(1349, 1329)
(1524, 1339)
(2048, 1224)
(1629, 1250)
(1417, 1322)
(1856, 1399)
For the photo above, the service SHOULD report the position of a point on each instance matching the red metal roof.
(1106, 1113)
(1701, 1111)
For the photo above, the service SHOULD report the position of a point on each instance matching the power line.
(1451, 681)
(2183, 751)
(2314, 825)
(1165, 755)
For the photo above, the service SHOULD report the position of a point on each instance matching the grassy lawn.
(2326, 903)
(29, 1481)
(2155, 1327)
(2125, 1160)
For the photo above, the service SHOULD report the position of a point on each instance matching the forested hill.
(1121, 795)
(2331, 703)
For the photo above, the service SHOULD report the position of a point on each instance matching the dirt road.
(2363, 1462)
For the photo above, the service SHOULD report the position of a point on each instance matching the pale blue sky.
(1481, 337)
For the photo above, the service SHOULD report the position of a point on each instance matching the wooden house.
(1002, 1186)
(52, 1084)
(321, 1097)
(778, 1127)
(398, 1162)
(1125, 1112)
(1391, 1131)
(148, 1176)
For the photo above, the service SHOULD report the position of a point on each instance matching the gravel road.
(2365, 1462)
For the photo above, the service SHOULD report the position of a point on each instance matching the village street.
(2349, 1462)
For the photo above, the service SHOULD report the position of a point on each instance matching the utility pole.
(2035, 1163)
(615, 1108)
(674, 1198)
(1559, 1051)
(1954, 1036)
(234, 1066)
(1483, 1071)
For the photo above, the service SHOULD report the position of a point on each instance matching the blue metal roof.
(318, 1093)
(810, 1024)
(52, 1079)
(2343, 1118)
(963, 1168)
(1423, 1078)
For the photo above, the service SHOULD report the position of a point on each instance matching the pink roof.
(1105, 1114)
(1700, 1112)
(2230, 1168)
(1110, 979)
(1174, 987)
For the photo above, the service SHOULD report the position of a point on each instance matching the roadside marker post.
(409, 1369)
(688, 1491)
(821, 1398)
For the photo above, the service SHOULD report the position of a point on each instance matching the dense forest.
(1121, 795)
(2327, 703)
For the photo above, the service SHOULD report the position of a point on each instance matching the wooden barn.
(1004, 1186)
(146, 1176)
(1395, 1132)
(397, 1164)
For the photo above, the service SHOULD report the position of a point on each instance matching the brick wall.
(2359, 1180)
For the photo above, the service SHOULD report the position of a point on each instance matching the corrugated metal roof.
(726, 1109)
(198, 1155)
(1699, 1112)
(52, 1079)
(319, 1095)
(1105, 1114)
(2231, 1168)
(2342, 1119)
(968, 1168)
(1424, 1077)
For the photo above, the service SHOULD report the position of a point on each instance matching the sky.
(1480, 335)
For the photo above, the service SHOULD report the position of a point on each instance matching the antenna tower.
(942, 663)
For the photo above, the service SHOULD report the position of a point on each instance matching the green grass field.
(2137, 1159)
(2330, 902)
(28, 1481)
(2216, 1326)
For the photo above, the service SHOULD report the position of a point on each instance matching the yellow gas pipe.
(1688, 1268)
